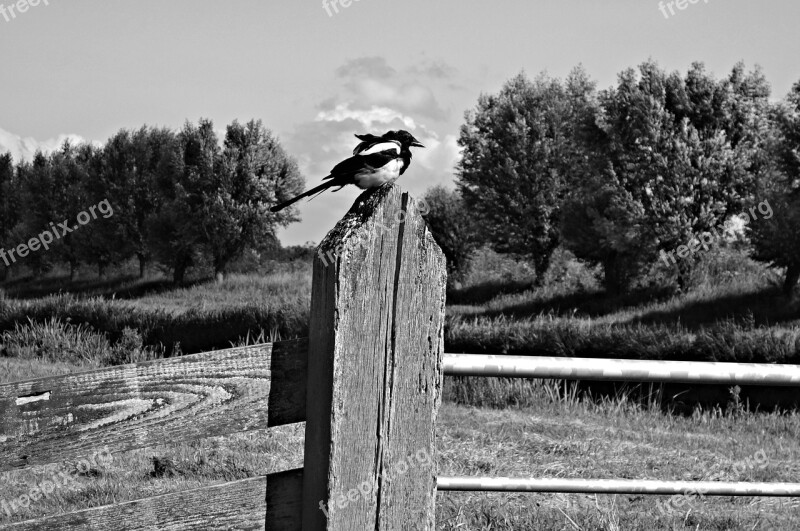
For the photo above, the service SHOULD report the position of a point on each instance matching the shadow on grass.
(758, 308)
(486, 291)
(581, 304)
(125, 287)
(764, 307)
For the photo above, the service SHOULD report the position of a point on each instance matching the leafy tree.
(670, 159)
(131, 164)
(69, 168)
(253, 171)
(518, 154)
(788, 147)
(777, 239)
(452, 226)
(184, 179)
(38, 201)
(102, 241)
(9, 207)
(216, 202)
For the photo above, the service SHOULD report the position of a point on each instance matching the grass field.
(487, 426)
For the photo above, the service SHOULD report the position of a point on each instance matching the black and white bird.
(377, 160)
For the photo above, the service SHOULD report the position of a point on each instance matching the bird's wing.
(367, 140)
(349, 167)
(390, 145)
(375, 145)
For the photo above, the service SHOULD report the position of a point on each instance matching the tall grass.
(186, 320)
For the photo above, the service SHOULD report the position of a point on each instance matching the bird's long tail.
(321, 188)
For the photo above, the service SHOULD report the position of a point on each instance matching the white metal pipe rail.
(617, 486)
(603, 369)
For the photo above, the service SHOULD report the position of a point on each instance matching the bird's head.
(405, 138)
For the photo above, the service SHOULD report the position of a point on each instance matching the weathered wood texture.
(375, 374)
(134, 406)
(237, 505)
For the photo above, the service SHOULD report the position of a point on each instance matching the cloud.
(371, 81)
(441, 155)
(434, 69)
(373, 67)
(25, 148)
(367, 118)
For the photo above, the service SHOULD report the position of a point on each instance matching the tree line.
(618, 176)
(179, 197)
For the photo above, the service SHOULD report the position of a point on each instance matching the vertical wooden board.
(418, 342)
(319, 395)
(375, 372)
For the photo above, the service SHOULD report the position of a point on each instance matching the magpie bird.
(375, 161)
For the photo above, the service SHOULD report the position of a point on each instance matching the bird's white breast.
(372, 178)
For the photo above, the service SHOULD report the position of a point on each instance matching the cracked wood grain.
(134, 406)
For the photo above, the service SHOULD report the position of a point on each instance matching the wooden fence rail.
(135, 406)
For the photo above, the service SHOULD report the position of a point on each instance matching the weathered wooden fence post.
(374, 370)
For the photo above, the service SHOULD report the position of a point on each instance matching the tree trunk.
(179, 273)
(685, 267)
(182, 263)
(541, 264)
(219, 270)
(792, 276)
(612, 280)
(142, 264)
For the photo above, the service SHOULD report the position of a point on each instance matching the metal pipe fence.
(606, 369)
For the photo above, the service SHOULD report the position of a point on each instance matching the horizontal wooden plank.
(135, 406)
(236, 505)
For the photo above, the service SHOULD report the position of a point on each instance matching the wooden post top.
(375, 369)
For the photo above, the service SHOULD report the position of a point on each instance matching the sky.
(83, 69)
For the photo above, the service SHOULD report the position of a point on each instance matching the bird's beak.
(417, 143)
